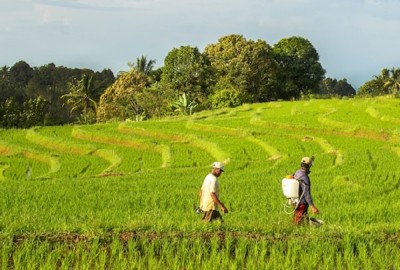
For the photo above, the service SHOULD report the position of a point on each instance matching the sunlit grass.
(122, 195)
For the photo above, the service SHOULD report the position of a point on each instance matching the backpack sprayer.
(290, 188)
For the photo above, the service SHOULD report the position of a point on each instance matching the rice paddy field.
(122, 195)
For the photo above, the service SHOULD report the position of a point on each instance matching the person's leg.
(212, 215)
(300, 214)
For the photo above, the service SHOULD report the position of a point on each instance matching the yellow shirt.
(210, 185)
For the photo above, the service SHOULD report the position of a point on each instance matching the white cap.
(307, 160)
(218, 165)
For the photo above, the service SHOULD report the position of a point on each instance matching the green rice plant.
(28, 165)
(113, 158)
(329, 149)
(373, 112)
(189, 140)
(216, 251)
(128, 129)
(56, 144)
(270, 150)
(5, 150)
(212, 148)
(324, 119)
(53, 162)
(3, 168)
(215, 129)
(135, 144)
(118, 208)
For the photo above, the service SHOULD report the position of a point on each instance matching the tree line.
(231, 72)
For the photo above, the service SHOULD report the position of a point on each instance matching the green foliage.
(157, 99)
(257, 71)
(48, 82)
(20, 74)
(332, 87)
(122, 195)
(392, 84)
(51, 82)
(83, 96)
(7, 89)
(300, 71)
(184, 105)
(371, 88)
(245, 65)
(143, 65)
(188, 71)
(122, 99)
(213, 250)
(227, 98)
(34, 112)
(9, 113)
(31, 113)
(386, 83)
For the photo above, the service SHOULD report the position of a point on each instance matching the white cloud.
(352, 37)
(114, 3)
(96, 4)
(50, 14)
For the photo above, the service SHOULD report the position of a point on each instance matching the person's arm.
(307, 194)
(218, 202)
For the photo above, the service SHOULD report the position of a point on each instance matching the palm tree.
(142, 65)
(82, 96)
(380, 80)
(392, 84)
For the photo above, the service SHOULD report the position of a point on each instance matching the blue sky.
(355, 39)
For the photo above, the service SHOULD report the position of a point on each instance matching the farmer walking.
(300, 213)
(209, 194)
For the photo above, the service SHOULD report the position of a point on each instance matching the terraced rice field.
(122, 195)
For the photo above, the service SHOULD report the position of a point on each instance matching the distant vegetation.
(229, 73)
(121, 195)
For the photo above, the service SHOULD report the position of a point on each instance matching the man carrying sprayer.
(300, 213)
(209, 194)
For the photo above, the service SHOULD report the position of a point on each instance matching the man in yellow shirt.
(209, 194)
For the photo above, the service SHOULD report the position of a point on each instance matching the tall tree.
(392, 83)
(326, 86)
(83, 97)
(6, 88)
(104, 78)
(120, 100)
(50, 83)
(344, 89)
(20, 74)
(300, 70)
(143, 65)
(376, 86)
(10, 113)
(333, 87)
(370, 88)
(188, 71)
(33, 112)
(244, 65)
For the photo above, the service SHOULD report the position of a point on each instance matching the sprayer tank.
(290, 187)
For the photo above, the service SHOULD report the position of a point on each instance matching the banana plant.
(184, 105)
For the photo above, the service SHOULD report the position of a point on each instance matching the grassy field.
(122, 195)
